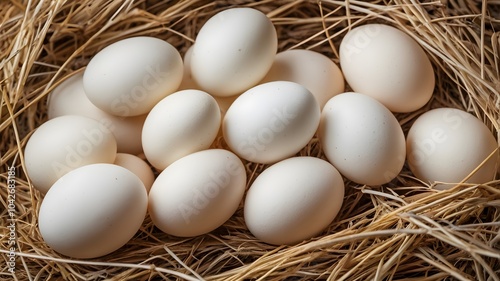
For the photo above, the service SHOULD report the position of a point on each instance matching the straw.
(403, 230)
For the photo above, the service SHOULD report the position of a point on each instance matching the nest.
(403, 230)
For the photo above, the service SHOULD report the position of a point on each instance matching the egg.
(180, 124)
(271, 121)
(189, 83)
(63, 144)
(128, 77)
(447, 144)
(362, 139)
(69, 98)
(315, 71)
(293, 200)
(92, 211)
(197, 193)
(385, 63)
(233, 51)
(187, 78)
(137, 166)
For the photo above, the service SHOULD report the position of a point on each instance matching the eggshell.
(137, 166)
(128, 77)
(447, 144)
(180, 124)
(315, 71)
(293, 200)
(233, 51)
(187, 78)
(271, 121)
(362, 139)
(188, 83)
(63, 144)
(197, 193)
(385, 63)
(92, 211)
(69, 99)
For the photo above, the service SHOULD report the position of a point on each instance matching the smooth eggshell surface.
(187, 78)
(385, 63)
(271, 121)
(447, 144)
(293, 200)
(197, 193)
(362, 139)
(63, 144)
(128, 77)
(92, 211)
(319, 74)
(180, 124)
(188, 83)
(69, 99)
(137, 166)
(233, 51)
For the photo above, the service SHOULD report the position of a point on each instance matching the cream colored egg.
(189, 83)
(128, 77)
(233, 51)
(319, 74)
(69, 99)
(293, 200)
(180, 124)
(92, 211)
(137, 166)
(197, 193)
(385, 63)
(63, 144)
(362, 139)
(187, 79)
(447, 144)
(271, 121)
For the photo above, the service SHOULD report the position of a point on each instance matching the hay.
(401, 231)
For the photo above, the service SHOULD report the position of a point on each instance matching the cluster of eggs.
(139, 97)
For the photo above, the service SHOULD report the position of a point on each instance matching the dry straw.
(403, 230)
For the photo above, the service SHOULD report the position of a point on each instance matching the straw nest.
(403, 230)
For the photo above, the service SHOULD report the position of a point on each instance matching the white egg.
(293, 200)
(362, 139)
(385, 63)
(233, 51)
(128, 77)
(137, 166)
(189, 83)
(197, 193)
(180, 124)
(271, 121)
(69, 99)
(315, 71)
(447, 144)
(63, 144)
(92, 211)
(187, 78)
